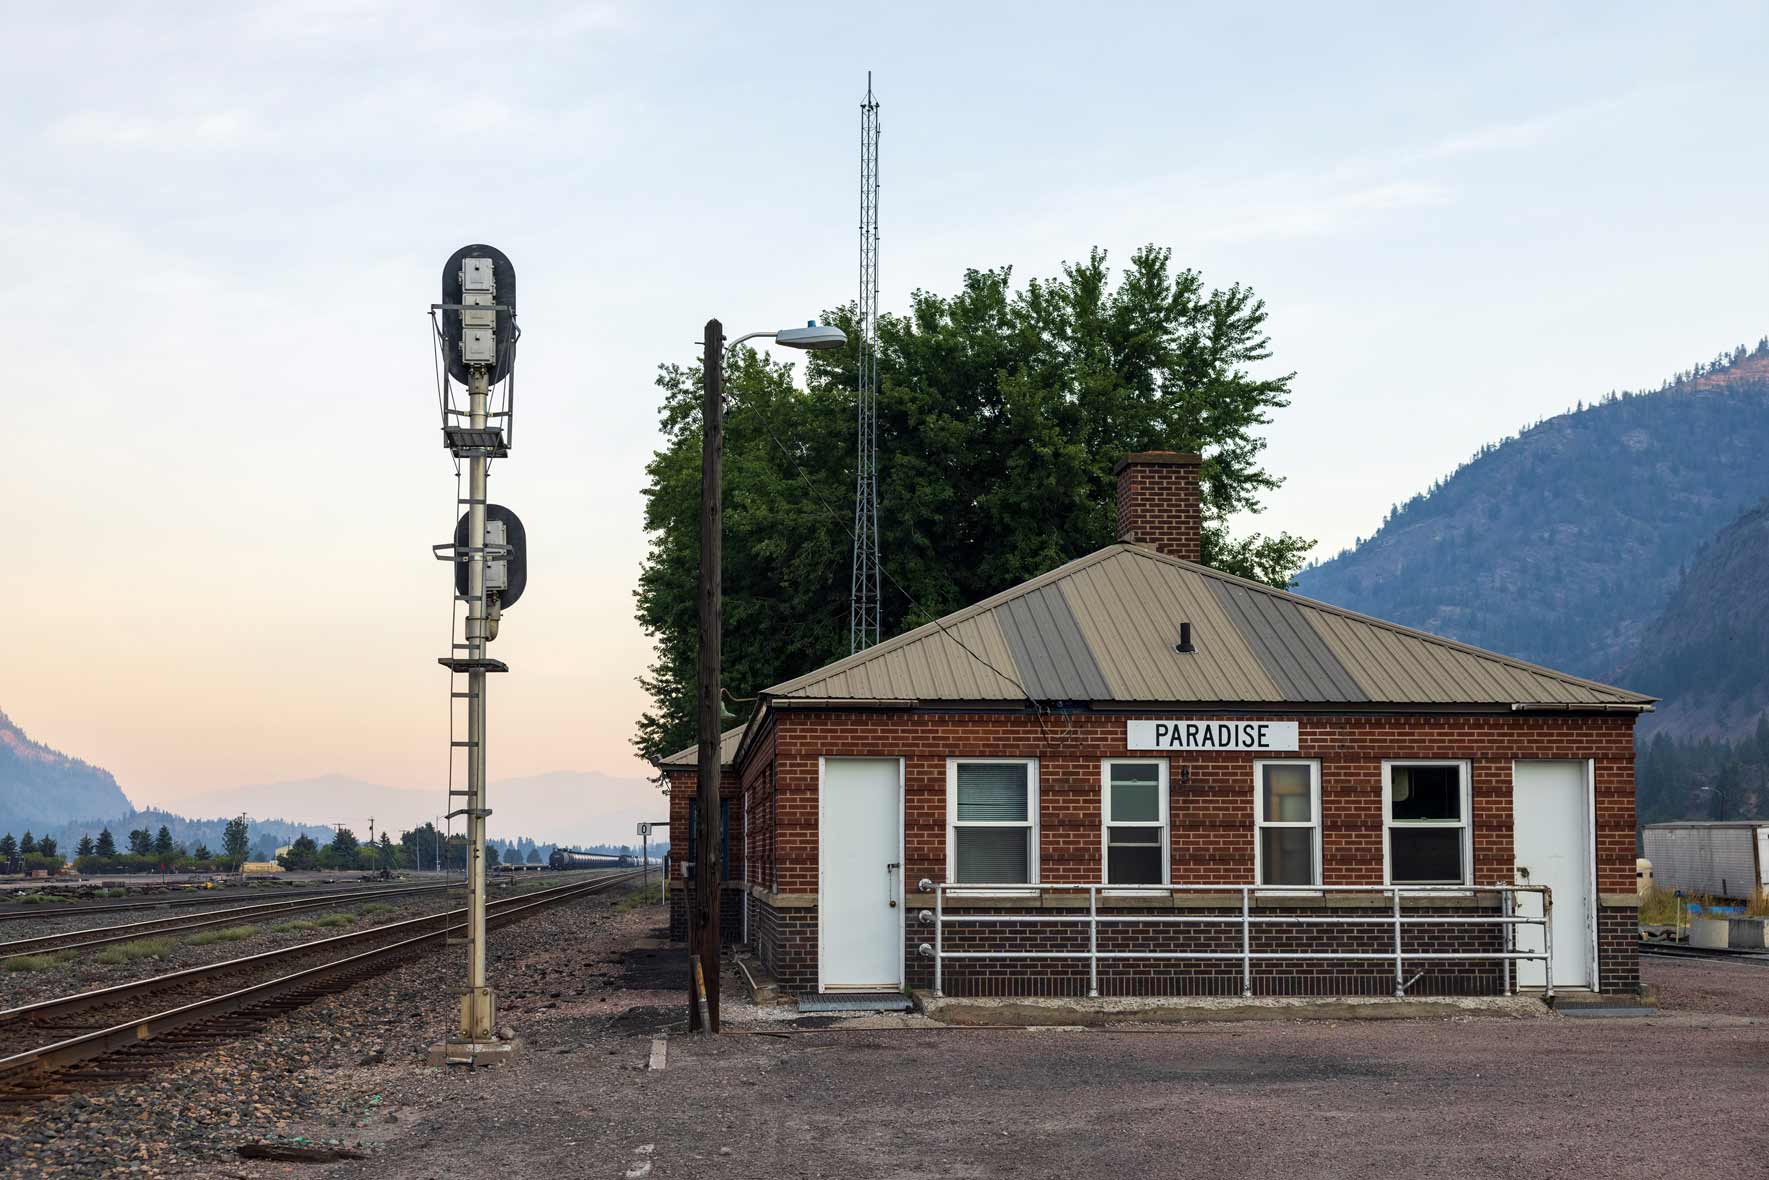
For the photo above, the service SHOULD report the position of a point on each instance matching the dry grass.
(226, 934)
(38, 962)
(141, 948)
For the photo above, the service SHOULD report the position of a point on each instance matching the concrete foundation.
(1022, 1011)
(473, 1053)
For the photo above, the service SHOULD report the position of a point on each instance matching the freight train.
(570, 858)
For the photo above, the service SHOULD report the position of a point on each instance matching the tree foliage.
(1001, 415)
(236, 840)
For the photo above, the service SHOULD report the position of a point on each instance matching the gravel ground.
(587, 987)
(322, 1074)
(81, 970)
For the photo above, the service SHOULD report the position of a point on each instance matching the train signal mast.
(475, 333)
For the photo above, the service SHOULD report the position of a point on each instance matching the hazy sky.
(225, 223)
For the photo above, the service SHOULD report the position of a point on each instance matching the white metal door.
(1551, 834)
(859, 902)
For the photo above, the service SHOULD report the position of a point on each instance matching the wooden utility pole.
(705, 939)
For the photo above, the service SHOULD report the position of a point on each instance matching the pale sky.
(225, 223)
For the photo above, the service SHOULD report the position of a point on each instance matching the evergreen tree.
(141, 842)
(344, 845)
(386, 850)
(201, 851)
(302, 854)
(107, 843)
(27, 844)
(163, 842)
(85, 846)
(235, 840)
(47, 846)
(8, 847)
(534, 855)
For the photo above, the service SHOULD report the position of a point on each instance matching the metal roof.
(690, 758)
(1103, 629)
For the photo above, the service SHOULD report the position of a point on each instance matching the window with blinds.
(992, 808)
(1135, 819)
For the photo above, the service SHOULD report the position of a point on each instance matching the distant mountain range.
(1563, 544)
(47, 792)
(45, 787)
(1707, 652)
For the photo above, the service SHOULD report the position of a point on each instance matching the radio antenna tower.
(863, 601)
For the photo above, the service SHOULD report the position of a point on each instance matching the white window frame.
(1260, 823)
(1030, 824)
(1106, 824)
(1466, 771)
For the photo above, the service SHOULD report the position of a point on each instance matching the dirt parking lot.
(1552, 1097)
(590, 990)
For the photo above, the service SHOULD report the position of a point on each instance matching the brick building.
(1138, 775)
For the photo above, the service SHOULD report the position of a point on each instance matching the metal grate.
(856, 1002)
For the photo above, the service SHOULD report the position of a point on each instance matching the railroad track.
(118, 1033)
(14, 912)
(1674, 951)
(95, 936)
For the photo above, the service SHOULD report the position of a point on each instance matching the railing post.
(1547, 943)
(1400, 978)
(1507, 943)
(1092, 942)
(1246, 942)
(939, 931)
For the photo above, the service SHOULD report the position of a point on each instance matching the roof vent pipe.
(1184, 646)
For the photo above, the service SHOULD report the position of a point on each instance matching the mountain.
(1562, 544)
(562, 807)
(44, 787)
(1706, 652)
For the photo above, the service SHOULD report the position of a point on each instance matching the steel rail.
(20, 912)
(38, 1063)
(68, 940)
(116, 993)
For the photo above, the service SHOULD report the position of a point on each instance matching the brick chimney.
(1158, 503)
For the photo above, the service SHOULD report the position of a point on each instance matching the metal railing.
(1507, 919)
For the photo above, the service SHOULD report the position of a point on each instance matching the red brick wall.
(682, 787)
(1212, 813)
(1158, 503)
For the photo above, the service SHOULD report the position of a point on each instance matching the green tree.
(534, 855)
(1001, 416)
(85, 847)
(201, 852)
(8, 847)
(27, 844)
(107, 843)
(141, 842)
(491, 855)
(236, 840)
(163, 842)
(302, 854)
(47, 846)
(386, 856)
(343, 846)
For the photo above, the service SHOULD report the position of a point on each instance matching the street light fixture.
(703, 939)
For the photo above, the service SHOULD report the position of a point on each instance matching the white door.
(1551, 834)
(859, 901)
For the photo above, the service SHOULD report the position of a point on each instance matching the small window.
(992, 807)
(1287, 808)
(1427, 822)
(1134, 809)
